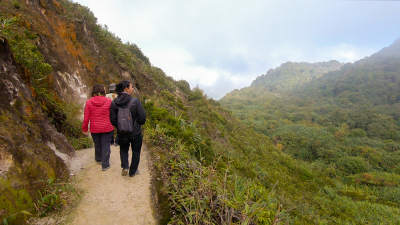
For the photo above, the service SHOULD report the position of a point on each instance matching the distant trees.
(326, 118)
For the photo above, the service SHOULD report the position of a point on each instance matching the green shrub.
(358, 133)
(29, 35)
(376, 130)
(183, 86)
(391, 194)
(16, 4)
(55, 196)
(6, 24)
(81, 143)
(28, 55)
(352, 165)
(393, 134)
(205, 195)
(397, 169)
(195, 94)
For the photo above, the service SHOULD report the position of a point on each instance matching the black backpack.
(124, 118)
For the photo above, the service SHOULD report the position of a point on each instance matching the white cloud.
(347, 53)
(226, 44)
(178, 63)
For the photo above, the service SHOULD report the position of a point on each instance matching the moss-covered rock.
(24, 136)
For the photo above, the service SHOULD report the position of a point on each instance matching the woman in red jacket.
(97, 111)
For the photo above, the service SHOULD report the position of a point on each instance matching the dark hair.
(98, 90)
(121, 86)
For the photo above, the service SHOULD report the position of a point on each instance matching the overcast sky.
(223, 45)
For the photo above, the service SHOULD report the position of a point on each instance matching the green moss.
(49, 170)
(14, 200)
(39, 169)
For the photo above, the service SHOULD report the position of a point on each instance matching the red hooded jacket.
(97, 110)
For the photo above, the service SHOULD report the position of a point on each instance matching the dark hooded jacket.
(137, 110)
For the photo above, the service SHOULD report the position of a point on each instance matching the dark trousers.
(102, 142)
(112, 139)
(136, 144)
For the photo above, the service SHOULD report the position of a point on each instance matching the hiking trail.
(110, 198)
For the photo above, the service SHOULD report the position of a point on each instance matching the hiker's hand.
(85, 132)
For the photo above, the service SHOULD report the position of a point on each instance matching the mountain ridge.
(290, 76)
(345, 123)
(207, 167)
(391, 51)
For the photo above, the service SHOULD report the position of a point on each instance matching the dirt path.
(110, 198)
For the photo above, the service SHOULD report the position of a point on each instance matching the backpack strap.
(130, 103)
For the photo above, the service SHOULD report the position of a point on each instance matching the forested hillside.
(209, 167)
(290, 76)
(345, 123)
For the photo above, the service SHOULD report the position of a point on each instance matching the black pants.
(136, 143)
(102, 142)
(112, 139)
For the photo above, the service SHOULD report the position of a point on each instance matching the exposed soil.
(110, 198)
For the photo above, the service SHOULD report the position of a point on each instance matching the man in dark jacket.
(124, 90)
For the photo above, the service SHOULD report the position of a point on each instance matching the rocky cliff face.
(31, 149)
(33, 100)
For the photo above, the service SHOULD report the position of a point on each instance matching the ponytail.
(98, 90)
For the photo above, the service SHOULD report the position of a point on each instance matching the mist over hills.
(373, 80)
(330, 157)
(392, 51)
(346, 121)
(291, 76)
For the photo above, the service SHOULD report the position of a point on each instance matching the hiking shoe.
(108, 167)
(116, 144)
(99, 162)
(136, 173)
(124, 172)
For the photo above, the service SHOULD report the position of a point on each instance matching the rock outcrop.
(32, 146)
(31, 149)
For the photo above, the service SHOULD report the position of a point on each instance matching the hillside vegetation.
(209, 167)
(344, 124)
(202, 173)
(290, 76)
